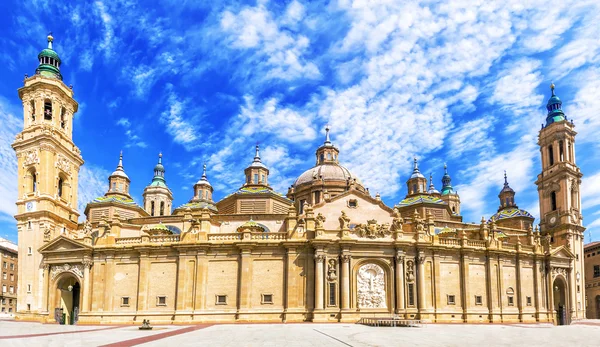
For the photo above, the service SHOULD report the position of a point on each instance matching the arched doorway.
(560, 301)
(67, 300)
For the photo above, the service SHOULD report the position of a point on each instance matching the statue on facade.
(87, 228)
(397, 221)
(372, 229)
(344, 221)
(319, 221)
(47, 233)
(331, 270)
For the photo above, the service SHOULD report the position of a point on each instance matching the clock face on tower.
(553, 220)
(29, 206)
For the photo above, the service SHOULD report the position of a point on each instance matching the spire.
(416, 173)
(432, 189)
(49, 61)
(446, 182)
(119, 171)
(327, 140)
(554, 107)
(204, 172)
(257, 162)
(507, 195)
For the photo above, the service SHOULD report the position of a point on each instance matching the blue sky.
(464, 83)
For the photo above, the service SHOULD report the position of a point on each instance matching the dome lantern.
(49, 61)
(554, 107)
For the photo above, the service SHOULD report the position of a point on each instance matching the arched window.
(47, 110)
(32, 185)
(553, 201)
(60, 187)
(414, 188)
(551, 155)
(152, 208)
(63, 118)
(322, 157)
(506, 202)
(162, 208)
(255, 178)
(328, 156)
(561, 151)
(32, 111)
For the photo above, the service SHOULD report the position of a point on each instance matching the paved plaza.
(291, 335)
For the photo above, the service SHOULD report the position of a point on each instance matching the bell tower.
(559, 194)
(48, 170)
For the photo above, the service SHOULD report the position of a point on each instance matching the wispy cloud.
(133, 140)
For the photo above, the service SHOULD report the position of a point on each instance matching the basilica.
(325, 251)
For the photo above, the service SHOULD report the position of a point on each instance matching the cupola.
(554, 107)
(257, 173)
(446, 182)
(158, 198)
(507, 195)
(118, 181)
(49, 62)
(432, 190)
(417, 183)
(327, 153)
(203, 189)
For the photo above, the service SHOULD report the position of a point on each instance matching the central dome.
(326, 172)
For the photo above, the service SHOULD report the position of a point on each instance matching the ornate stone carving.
(331, 270)
(319, 258)
(319, 220)
(399, 255)
(346, 258)
(56, 270)
(63, 163)
(87, 263)
(410, 271)
(397, 222)
(559, 271)
(419, 223)
(31, 157)
(371, 287)
(47, 233)
(87, 228)
(372, 230)
(344, 221)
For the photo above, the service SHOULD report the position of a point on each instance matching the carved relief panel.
(370, 285)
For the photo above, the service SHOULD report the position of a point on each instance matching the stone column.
(45, 292)
(421, 280)
(464, 290)
(292, 280)
(109, 276)
(345, 281)
(400, 304)
(87, 286)
(201, 276)
(319, 259)
(142, 304)
(245, 279)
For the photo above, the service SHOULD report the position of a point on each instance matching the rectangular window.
(411, 294)
(28, 288)
(317, 198)
(478, 300)
(4, 288)
(301, 207)
(255, 178)
(221, 300)
(511, 301)
(451, 300)
(28, 307)
(4, 275)
(596, 270)
(29, 251)
(332, 294)
(11, 290)
(528, 300)
(161, 301)
(10, 309)
(352, 203)
(267, 299)
(125, 301)
(3, 301)
(12, 277)
(12, 266)
(4, 264)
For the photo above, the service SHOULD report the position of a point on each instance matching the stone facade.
(9, 268)
(592, 280)
(327, 251)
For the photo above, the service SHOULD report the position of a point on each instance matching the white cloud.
(133, 140)
(11, 125)
(279, 53)
(473, 137)
(181, 119)
(92, 184)
(283, 123)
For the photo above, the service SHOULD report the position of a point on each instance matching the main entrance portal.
(560, 301)
(67, 301)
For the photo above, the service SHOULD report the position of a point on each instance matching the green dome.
(50, 53)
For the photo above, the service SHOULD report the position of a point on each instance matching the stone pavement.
(291, 335)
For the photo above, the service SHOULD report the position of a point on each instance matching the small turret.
(257, 173)
(327, 153)
(554, 107)
(417, 183)
(118, 181)
(49, 61)
(158, 198)
(449, 195)
(507, 195)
